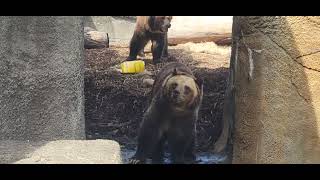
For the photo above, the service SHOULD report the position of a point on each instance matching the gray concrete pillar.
(41, 78)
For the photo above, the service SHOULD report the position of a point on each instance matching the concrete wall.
(277, 102)
(41, 78)
(193, 26)
(120, 29)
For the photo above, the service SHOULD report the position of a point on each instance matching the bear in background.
(154, 28)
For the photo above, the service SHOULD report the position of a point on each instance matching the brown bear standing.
(154, 28)
(171, 116)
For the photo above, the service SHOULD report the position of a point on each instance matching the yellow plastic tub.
(132, 66)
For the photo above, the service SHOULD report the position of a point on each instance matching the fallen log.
(95, 39)
(219, 39)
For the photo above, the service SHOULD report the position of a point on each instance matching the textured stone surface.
(277, 91)
(41, 78)
(60, 152)
(119, 29)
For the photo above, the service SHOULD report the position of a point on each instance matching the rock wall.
(275, 65)
(120, 28)
(41, 78)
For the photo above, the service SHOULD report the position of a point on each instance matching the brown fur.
(171, 115)
(154, 28)
(158, 25)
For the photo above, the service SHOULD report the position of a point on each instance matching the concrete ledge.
(60, 152)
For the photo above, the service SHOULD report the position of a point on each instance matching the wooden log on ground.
(219, 39)
(95, 39)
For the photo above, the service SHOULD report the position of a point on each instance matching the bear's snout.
(175, 93)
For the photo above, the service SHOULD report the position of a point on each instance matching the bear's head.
(160, 23)
(183, 91)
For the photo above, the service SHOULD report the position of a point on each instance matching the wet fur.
(162, 122)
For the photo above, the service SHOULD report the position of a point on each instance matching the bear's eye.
(174, 85)
(187, 90)
(163, 17)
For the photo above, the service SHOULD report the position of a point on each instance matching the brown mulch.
(114, 103)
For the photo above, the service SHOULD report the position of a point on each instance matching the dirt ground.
(114, 102)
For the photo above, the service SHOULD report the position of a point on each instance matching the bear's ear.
(175, 71)
(151, 22)
(199, 81)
